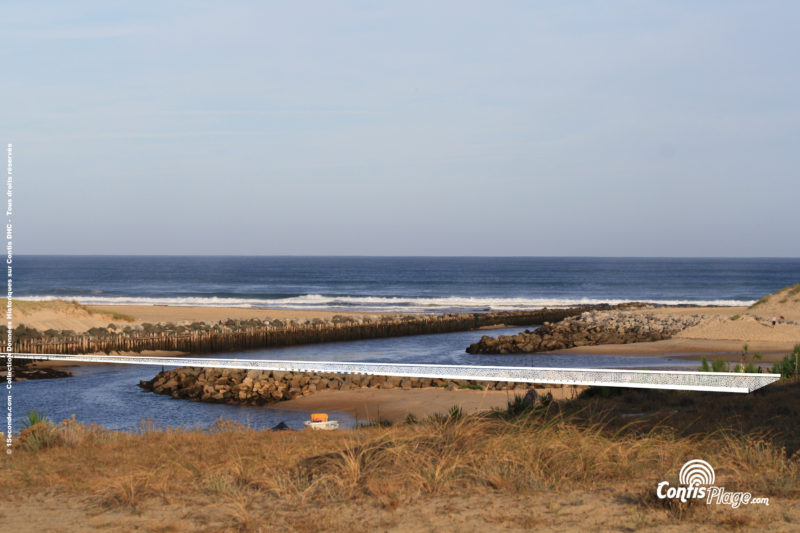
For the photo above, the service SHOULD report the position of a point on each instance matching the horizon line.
(410, 256)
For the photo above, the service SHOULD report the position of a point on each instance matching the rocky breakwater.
(589, 328)
(260, 387)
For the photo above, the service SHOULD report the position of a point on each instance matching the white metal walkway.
(645, 379)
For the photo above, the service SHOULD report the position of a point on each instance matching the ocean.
(399, 284)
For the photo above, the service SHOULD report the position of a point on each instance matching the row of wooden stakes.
(288, 335)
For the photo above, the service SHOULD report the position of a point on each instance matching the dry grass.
(791, 293)
(587, 452)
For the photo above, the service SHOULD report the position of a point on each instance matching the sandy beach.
(394, 405)
(175, 313)
(729, 349)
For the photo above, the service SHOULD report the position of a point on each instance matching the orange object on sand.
(319, 417)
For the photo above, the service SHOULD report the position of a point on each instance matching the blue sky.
(459, 128)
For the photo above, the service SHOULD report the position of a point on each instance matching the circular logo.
(696, 472)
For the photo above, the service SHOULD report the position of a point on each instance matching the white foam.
(378, 303)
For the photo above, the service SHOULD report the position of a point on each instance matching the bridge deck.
(647, 379)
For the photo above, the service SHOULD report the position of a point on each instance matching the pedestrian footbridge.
(644, 379)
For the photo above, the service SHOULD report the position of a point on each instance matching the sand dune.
(753, 325)
(784, 303)
(63, 315)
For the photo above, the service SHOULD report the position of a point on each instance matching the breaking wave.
(377, 303)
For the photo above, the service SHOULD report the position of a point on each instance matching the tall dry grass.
(584, 445)
(439, 456)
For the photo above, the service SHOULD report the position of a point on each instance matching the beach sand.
(394, 405)
(723, 333)
(691, 348)
(62, 315)
(178, 314)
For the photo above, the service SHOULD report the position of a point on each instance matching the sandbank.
(395, 404)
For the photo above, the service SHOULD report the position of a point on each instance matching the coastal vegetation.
(747, 363)
(717, 365)
(789, 366)
(595, 459)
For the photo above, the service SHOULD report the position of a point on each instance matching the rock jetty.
(589, 328)
(260, 387)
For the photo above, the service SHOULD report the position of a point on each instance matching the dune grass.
(63, 306)
(785, 294)
(235, 477)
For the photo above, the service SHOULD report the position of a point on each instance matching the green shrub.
(518, 406)
(789, 367)
(455, 413)
(720, 365)
(38, 432)
(411, 419)
(32, 418)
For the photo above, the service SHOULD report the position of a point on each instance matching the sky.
(410, 128)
